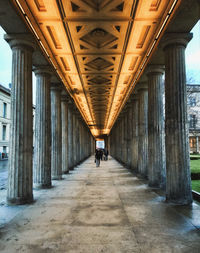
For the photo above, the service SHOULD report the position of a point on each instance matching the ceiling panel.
(98, 47)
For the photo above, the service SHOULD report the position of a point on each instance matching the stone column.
(197, 144)
(70, 139)
(74, 131)
(129, 134)
(77, 140)
(143, 130)
(20, 185)
(121, 137)
(42, 149)
(80, 138)
(156, 161)
(64, 119)
(125, 136)
(56, 132)
(134, 158)
(178, 186)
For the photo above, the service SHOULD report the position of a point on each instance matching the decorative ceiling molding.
(97, 48)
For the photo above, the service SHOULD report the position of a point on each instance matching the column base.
(42, 186)
(58, 177)
(154, 185)
(179, 201)
(20, 201)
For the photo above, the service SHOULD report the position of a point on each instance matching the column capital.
(43, 70)
(65, 97)
(128, 103)
(141, 86)
(176, 39)
(155, 69)
(134, 97)
(20, 40)
(56, 86)
(70, 104)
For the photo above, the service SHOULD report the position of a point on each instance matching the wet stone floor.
(105, 209)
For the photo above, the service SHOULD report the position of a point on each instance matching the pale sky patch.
(192, 57)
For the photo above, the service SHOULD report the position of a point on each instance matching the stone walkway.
(105, 209)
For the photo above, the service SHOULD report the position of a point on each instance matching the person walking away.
(97, 157)
(106, 154)
(101, 154)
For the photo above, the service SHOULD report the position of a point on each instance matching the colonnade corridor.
(101, 209)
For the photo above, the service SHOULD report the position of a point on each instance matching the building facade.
(193, 94)
(5, 118)
(4, 121)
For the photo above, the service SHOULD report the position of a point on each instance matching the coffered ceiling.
(98, 48)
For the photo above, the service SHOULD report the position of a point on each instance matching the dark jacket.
(98, 154)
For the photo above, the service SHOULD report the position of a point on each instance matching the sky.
(192, 60)
(6, 64)
(192, 56)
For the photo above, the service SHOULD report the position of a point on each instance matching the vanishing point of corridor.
(106, 209)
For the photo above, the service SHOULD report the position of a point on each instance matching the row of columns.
(61, 140)
(159, 147)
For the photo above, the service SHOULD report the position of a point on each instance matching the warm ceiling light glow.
(146, 58)
(44, 48)
(102, 60)
(22, 10)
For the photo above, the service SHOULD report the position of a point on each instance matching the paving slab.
(94, 210)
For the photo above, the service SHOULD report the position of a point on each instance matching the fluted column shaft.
(178, 187)
(56, 134)
(70, 137)
(134, 157)
(42, 149)
(20, 185)
(156, 162)
(143, 132)
(64, 119)
(122, 140)
(77, 140)
(74, 132)
(129, 135)
(81, 140)
(118, 136)
(125, 137)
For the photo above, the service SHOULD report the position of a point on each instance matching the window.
(192, 101)
(192, 142)
(4, 149)
(192, 121)
(4, 110)
(4, 133)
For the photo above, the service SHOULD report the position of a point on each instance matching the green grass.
(196, 185)
(195, 166)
